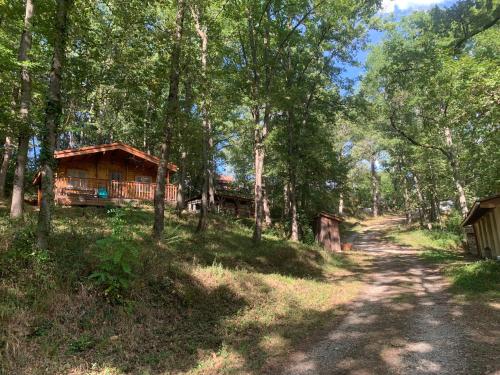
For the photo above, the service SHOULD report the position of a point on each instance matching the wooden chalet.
(109, 174)
(225, 202)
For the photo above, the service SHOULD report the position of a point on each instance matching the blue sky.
(396, 9)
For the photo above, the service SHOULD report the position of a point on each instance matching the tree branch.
(413, 140)
(459, 43)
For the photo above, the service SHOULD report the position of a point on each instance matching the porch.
(70, 191)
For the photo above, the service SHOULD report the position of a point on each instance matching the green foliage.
(424, 239)
(453, 223)
(81, 344)
(478, 277)
(118, 255)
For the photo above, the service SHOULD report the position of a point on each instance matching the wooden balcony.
(72, 191)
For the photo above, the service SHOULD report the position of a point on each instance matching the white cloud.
(389, 6)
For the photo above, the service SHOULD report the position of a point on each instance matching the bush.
(118, 255)
(453, 223)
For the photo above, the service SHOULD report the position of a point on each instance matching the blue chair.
(102, 193)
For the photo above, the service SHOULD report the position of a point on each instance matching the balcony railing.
(101, 189)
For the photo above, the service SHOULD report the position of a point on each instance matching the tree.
(171, 117)
(24, 100)
(53, 113)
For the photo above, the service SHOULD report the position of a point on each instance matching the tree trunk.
(455, 169)
(203, 222)
(421, 202)
(286, 202)
(435, 214)
(375, 186)
(53, 113)
(265, 202)
(259, 154)
(207, 194)
(341, 203)
(7, 153)
(181, 190)
(16, 208)
(259, 131)
(211, 170)
(170, 121)
(406, 197)
(180, 204)
(294, 224)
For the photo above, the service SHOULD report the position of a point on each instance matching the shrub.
(118, 255)
(453, 223)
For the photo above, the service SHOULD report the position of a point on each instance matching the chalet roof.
(330, 216)
(110, 147)
(225, 179)
(481, 207)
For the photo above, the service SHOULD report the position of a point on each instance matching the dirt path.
(405, 322)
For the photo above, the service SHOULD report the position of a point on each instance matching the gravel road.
(405, 322)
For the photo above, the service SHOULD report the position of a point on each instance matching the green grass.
(439, 240)
(440, 255)
(475, 278)
(469, 277)
(206, 304)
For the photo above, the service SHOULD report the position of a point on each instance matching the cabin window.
(116, 176)
(77, 178)
(78, 173)
(145, 179)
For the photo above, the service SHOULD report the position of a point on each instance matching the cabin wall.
(487, 230)
(101, 167)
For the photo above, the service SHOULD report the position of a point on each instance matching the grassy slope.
(470, 277)
(211, 304)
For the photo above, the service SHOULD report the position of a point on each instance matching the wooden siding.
(100, 166)
(487, 230)
(98, 171)
(327, 232)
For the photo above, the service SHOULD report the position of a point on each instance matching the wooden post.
(39, 196)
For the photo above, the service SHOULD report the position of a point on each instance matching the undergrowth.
(107, 299)
(478, 277)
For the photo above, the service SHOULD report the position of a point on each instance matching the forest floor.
(219, 304)
(194, 304)
(423, 310)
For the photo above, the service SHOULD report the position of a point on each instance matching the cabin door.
(116, 185)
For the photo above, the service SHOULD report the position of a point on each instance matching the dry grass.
(198, 305)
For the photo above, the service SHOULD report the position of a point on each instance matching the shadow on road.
(405, 322)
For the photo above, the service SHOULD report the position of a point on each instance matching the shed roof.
(330, 216)
(481, 207)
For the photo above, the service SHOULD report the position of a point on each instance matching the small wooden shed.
(327, 232)
(484, 217)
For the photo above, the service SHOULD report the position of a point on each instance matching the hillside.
(193, 304)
